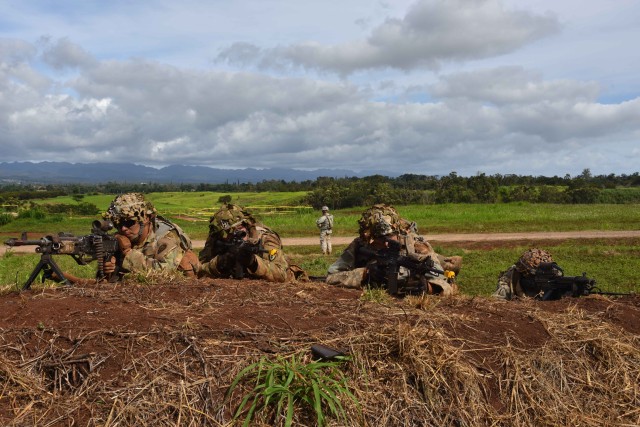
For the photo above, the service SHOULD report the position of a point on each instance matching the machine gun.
(552, 282)
(389, 260)
(99, 245)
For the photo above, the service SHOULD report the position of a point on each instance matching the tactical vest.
(164, 226)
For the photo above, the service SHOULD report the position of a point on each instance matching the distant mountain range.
(95, 173)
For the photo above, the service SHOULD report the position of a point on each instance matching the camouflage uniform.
(219, 258)
(517, 281)
(166, 246)
(351, 269)
(325, 224)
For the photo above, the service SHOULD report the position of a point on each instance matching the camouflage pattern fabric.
(156, 253)
(163, 248)
(531, 259)
(129, 206)
(379, 220)
(325, 242)
(227, 218)
(413, 246)
(513, 281)
(352, 279)
(220, 223)
(383, 220)
(325, 224)
(270, 265)
(505, 288)
(418, 248)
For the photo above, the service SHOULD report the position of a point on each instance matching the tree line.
(363, 191)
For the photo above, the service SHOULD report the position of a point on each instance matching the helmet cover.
(129, 206)
(228, 217)
(378, 221)
(531, 259)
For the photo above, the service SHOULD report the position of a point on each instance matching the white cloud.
(69, 97)
(65, 54)
(432, 32)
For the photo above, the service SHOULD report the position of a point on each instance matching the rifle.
(552, 282)
(99, 245)
(238, 246)
(389, 261)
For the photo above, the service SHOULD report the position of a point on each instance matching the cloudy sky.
(530, 87)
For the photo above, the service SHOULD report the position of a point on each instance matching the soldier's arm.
(168, 255)
(218, 266)
(346, 261)
(271, 264)
(504, 289)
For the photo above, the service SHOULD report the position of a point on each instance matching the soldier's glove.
(225, 262)
(247, 252)
(375, 274)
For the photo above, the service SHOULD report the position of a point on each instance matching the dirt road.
(485, 237)
(441, 238)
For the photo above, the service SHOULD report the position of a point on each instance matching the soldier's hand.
(247, 251)
(124, 244)
(225, 261)
(110, 266)
(189, 264)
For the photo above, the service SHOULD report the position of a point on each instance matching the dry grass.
(411, 366)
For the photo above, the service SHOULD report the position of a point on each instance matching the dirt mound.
(132, 354)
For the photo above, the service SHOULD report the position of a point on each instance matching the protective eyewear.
(128, 223)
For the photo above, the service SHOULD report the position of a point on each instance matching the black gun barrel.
(20, 242)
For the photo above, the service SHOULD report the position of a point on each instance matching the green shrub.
(5, 218)
(63, 208)
(281, 385)
(32, 213)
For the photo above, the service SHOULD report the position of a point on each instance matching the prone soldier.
(238, 246)
(146, 240)
(384, 237)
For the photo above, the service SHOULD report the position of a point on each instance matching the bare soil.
(485, 237)
(162, 354)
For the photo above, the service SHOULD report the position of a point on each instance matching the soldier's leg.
(323, 242)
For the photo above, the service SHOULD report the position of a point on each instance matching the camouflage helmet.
(379, 220)
(129, 206)
(531, 259)
(228, 217)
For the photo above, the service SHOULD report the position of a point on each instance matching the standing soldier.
(325, 224)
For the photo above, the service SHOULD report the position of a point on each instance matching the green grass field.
(613, 264)
(284, 213)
